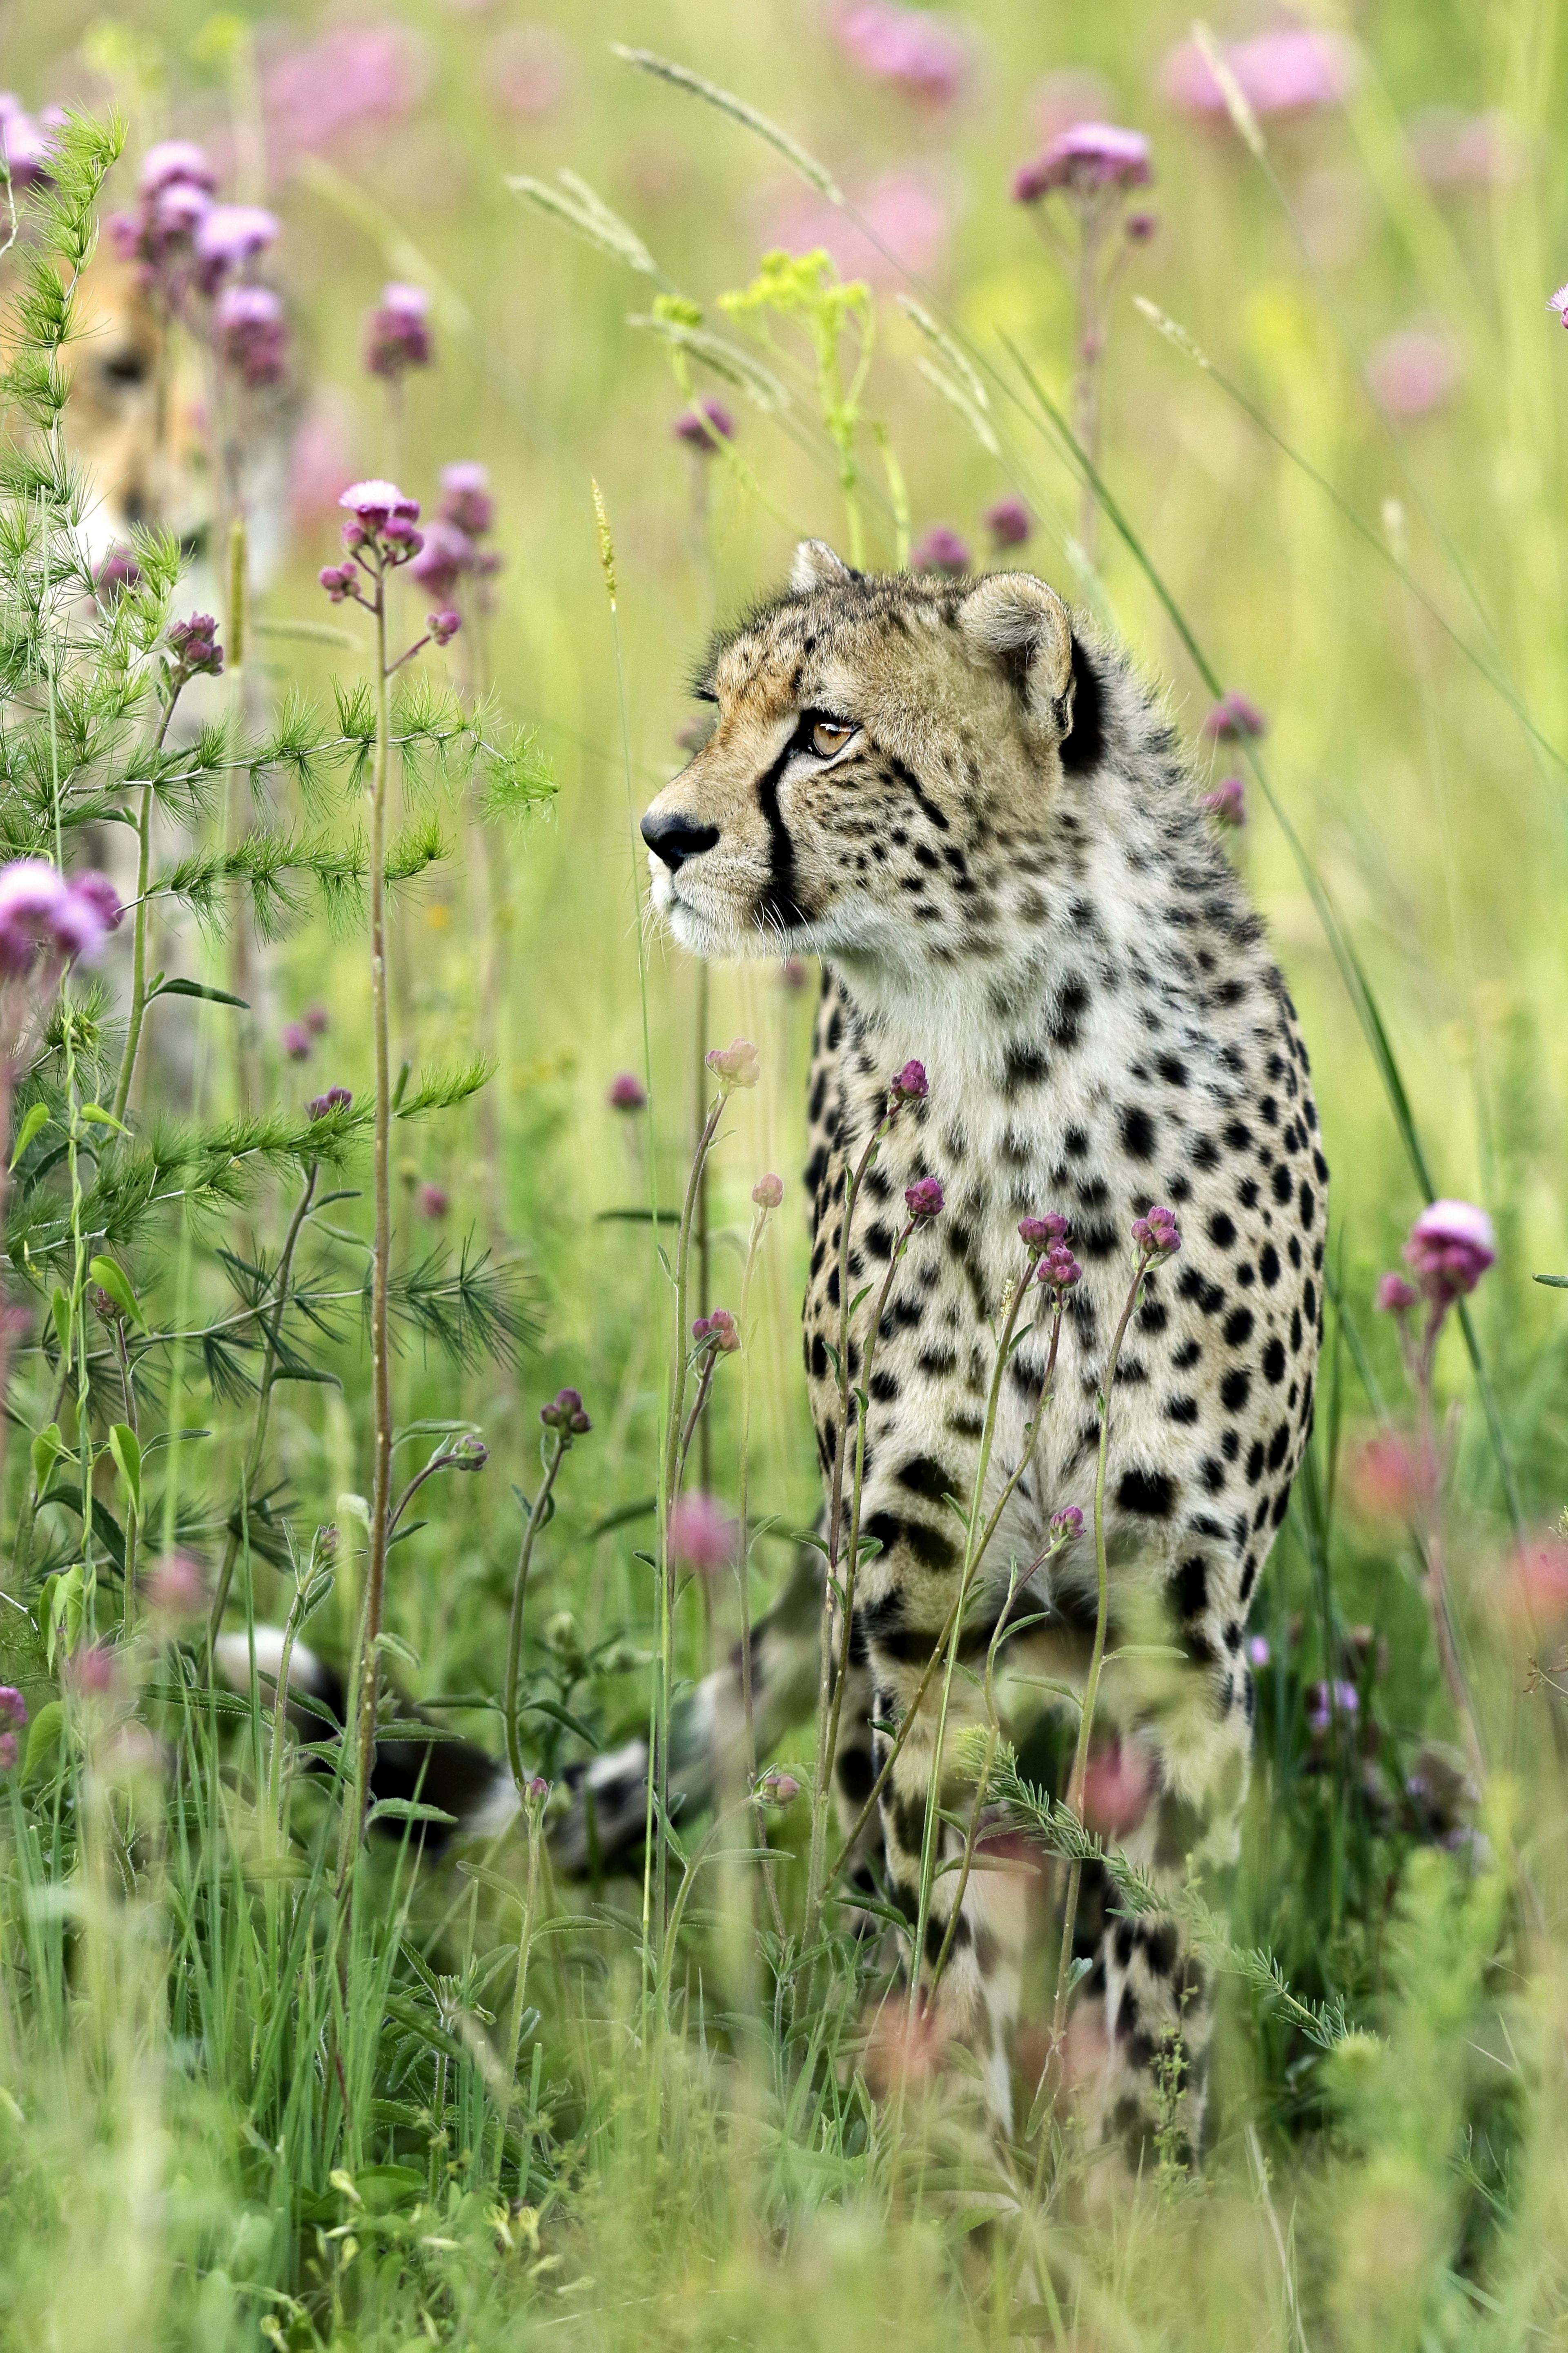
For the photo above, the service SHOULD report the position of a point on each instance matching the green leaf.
(96, 1116)
(39, 1117)
(43, 1737)
(126, 1449)
(404, 1809)
(111, 1278)
(48, 1448)
(197, 988)
(60, 1309)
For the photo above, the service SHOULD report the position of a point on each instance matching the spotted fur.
(1007, 874)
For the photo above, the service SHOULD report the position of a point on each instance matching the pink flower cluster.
(26, 144)
(1048, 1235)
(914, 49)
(1415, 371)
(702, 1536)
(397, 332)
(1232, 718)
(1158, 1234)
(452, 551)
(1084, 161)
(703, 428)
(1228, 801)
(924, 1199)
(379, 536)
(191, 251)
(1451, 1245)
(564, 1412)
(1283, 71)
(941, 550)
(717, 1331)
(13, 1718)
(44, 914)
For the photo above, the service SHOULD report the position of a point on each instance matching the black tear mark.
(778, 901)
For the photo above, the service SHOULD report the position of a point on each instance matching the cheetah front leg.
(1173, 1776)
(971, 1969)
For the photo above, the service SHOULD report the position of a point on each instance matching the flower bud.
(626, 1093)
(924, 1198)
(335, 1098)
(768, 1192)
(1395, 1295)
(735, 1065)
(444, 625)
(776, 1787)
(1038, 1233)
(910, 1085)
(1067, 1525)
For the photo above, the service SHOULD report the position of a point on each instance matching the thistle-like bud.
(1158, 1233)
(924, 1198)
(911, 1085)
(768, 1192)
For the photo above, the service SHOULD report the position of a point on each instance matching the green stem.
(138, 932)
(381, 1371)
(537, 1514)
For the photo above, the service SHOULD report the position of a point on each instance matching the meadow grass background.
(170, 2171)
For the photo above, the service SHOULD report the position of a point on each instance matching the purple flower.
(1228, 801)
(703, 428)
(940, 550)
(1414, 372)
(1395, 1295)
(355, 73)
(910, 1085)
(1058, 1268)
(1327, 1700)
(908, 211)
(1451, 1245)
(1558, 302)
(226, 237)
(448, 553)
(397, 332)
(1040, 1233)
(1257, 1651)
(337, 580)
(433, 1201)
(13, 1716)
(1278, 73)
(1158, 1234)
(627, 1092)
(178, 1586)
(538, 1790)
(466, 499)
(768, 1192)
(916, 49)
(792, 975)
(1234, 717)
(1009, 522)
(41, 911)
(564, 1412)
(444, 625)
(923, 1198)
(375, 503)
(1084, 160)
(1067, 1525)
(717, 1331)
(119, 570)
(296, 1042)
(778, 1789)
(335, 1098)
(1139, 228)
(702, 1536)
(194, 647)
(27, 147)
(316, 1019)
(1453, 151)
(175, 159)
(251, 335)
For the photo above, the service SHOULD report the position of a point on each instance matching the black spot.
(1238, 1327)
(1230, 1445)
(1221, 1229)
(924, 1476)
(1192, 1284)
(1268, 1264)
(1023, 1066)
(1191, 1587)
(1153, 1315)
(1307, 1204)
(1186, 1354)
(1255, 1463)
(1206, 1153)
(1137, 1133)
(1279, 1184)
(1235, 1389)
(1213, 1473)
(1182, 1408)
(818, 1358)
(1274, 1363)
(1066, 1014)
(1171, 1068)
(1150, 1492)
(1277, 1445)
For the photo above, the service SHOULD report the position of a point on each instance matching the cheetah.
(965, 801)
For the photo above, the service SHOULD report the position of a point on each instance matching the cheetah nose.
(675, 839)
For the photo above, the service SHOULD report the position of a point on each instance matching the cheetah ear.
(1019, 625)
(815, 565)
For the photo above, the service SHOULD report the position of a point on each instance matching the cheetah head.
(884, 748)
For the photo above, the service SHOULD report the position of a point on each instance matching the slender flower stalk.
(379, 537)
(563, 1420)
(1048, 1241)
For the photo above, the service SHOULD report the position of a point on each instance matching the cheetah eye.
(824, 736)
